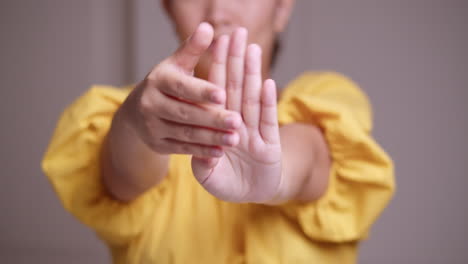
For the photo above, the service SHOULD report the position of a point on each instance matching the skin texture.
(210, 100)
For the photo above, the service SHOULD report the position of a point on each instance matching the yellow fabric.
(179, 222)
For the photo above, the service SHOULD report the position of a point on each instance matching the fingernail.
(242, 30)
(217, 97)
(204, 24)
(216, 152)
(229, 139)
(232, 122)
(254, 49)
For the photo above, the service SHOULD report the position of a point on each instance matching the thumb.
(188, 55)
(202, 168)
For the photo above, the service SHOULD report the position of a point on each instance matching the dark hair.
(275, 52)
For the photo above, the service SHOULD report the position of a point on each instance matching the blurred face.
(264, 19)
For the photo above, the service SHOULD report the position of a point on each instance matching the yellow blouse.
(179, 222)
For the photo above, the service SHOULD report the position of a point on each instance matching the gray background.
(409, 56)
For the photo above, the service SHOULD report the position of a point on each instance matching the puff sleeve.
(361, 179)
(72, 165)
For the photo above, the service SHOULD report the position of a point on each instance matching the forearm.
(306, 163)
(129, 167)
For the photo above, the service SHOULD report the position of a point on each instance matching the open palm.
(251, 170)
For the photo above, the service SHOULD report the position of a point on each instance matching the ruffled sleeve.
(72, 165)
(361, 179)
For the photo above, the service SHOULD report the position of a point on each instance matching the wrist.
(283, 192)
(130, 167)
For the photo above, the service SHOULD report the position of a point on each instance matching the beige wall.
(409, 56)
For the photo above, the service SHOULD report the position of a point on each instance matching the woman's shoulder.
(326, 85)
(327, 93)
(313, 80)
(108, 91)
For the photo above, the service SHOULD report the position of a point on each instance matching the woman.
(249, 190)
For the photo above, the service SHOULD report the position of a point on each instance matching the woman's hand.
(176, 113)
(251, 170)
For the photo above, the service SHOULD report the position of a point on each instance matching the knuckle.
(233, 84)
(155, 74)
(185, 148)
(204, 151)
(206, 93)
(187, 132)
(146, 99)
(178, 88)
(219, 119)
(145, 105)
(161, 77)
(151, 107)
(269, 123)
(152, 77)
(217, 137)
(182, 114)
(251, 100)
(163, 110)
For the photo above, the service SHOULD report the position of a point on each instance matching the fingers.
(252, 87)
(171, 146)
(217, 76)
(217, 73)
(269, 129)
(188, 55)
(202, 136)
(192, 89)
(235, 70)
(189, 114)
(203, 167)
